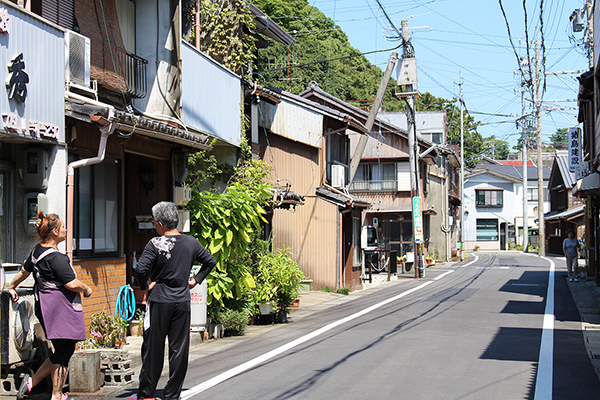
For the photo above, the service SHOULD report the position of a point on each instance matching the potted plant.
(429, 260)
(136, 325)
(107, 331)
(234, 322)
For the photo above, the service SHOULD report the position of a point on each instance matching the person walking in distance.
(164, 269)
(571, 251)
(58, 303)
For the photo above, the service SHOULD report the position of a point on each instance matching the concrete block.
(84, 371)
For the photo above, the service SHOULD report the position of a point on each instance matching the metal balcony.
(135, 72)
(374, 186)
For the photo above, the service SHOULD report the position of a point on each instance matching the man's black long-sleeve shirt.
(168, 260)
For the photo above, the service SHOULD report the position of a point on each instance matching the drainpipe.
(105, 131)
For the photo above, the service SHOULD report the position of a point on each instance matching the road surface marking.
(442, 275)
(526, 284)
(469, 263)
(273, 353)
(543, 380)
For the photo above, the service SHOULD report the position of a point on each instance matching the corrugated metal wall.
(210, 96)
(293, 122)
(311, 230)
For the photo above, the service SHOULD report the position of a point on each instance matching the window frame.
(375, 185)
(478, 202)
(93, 253)
(497, 229)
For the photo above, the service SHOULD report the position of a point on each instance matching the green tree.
(559, 138)
(496, 148)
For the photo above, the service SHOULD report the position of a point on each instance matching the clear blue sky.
(471, 36)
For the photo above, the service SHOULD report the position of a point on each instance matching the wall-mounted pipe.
(105, 131)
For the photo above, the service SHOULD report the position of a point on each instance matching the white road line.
(442, 275)
(543, 380)
(469, 263)
(273, 353)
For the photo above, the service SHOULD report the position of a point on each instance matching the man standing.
(166, 262)
(571, 251)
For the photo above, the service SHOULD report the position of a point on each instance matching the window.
(487, 230)
(489, 198)
(532, 194)
(434, 137)
(375, 177)
(96, 212)
(356, 236)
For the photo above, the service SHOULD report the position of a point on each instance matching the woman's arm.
(77, 286)
(19, 277)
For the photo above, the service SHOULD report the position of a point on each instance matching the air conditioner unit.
(77, 62)
(18, 320)
(338, 176)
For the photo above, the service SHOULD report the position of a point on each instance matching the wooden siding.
(311, 230)
(391, 145)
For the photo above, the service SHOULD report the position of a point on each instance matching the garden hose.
(125, 307)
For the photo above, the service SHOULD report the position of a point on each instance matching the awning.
(588, 186)
(89, 110)
(566, 214)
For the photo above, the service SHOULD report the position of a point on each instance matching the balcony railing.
(135, 71)
(374, 186)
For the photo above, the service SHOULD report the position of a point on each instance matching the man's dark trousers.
(172, 320)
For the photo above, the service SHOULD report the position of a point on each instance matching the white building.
(493, 205)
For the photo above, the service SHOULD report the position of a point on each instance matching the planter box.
(305, 285)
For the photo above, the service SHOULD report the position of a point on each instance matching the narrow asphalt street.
(470, 331)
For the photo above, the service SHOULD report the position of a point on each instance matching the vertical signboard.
(574, 140)
(417, 219)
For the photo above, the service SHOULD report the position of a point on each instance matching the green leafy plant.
(106, 330)
(278, 279)
(327, 289)
(228, 223)
(345, 291)
(234, 321)
(224, 32)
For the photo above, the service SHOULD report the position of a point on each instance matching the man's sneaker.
(570, 280)
(576, 280)
(135, 397)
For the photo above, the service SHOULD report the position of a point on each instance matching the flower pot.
(295, 303)
(265, 308)
(136, 328)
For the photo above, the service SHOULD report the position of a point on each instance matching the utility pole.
(589, 40)
(540, 168)
(462, 170)
(362, 142)
(407, 80)
(524, 144)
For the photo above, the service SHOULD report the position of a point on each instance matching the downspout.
(105, 131)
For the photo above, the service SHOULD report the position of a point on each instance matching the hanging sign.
(417, 219)
(574, 139)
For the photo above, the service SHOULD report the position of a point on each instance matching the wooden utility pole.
(540, 167)
(362, 143)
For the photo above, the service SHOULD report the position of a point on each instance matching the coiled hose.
(125, 307)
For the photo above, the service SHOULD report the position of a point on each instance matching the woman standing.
(58, 305)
